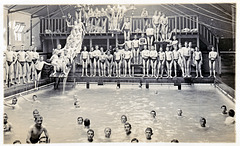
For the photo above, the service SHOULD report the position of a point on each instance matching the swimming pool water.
(104, 105)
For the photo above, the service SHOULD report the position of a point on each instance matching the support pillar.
(118, 84)
(31, 32)
(147, 85)
(90, 42)
(87, 85)
(8, 38)
(107, 43)
(180, 87)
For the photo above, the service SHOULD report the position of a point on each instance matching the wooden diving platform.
(175, 81)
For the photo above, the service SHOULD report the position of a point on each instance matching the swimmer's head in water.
(80, 120)
(34, 97)
(76, 104)
(224, 109)
(174, 141)
(35, 113)
(123, 119)
(90, 135)
(87, 123)
(179, 112)
(134, 140)
(149, 133)
(127, 127)
(142, 35)
(107, 132)
(17, 142)
(153, 113)
(203, 122)
(231, 113)
(43, 140)
(14, 100)
(38, 121)
(5, 117)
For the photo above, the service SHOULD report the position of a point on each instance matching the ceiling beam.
(11, 7)
(53, 13)
(13, 11)
(40, 9)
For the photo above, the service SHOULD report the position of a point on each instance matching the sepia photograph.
(119, 72)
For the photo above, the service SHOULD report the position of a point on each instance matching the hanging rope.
(49, 25)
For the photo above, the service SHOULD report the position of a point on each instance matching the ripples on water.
(104, 105)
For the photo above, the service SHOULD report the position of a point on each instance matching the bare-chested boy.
(36, 130)
(22, 61)
(91, 61)
(176, 56)
(84, 56)
(156, 25)
(9, 54)
(162, 58)
(153, 59)
(29, 64)
(135, 49)
(126, 29)
(102, 60)
(150, 33)
(186, 58)
(197, 57)
(96, 64)
(127, 60)
(109, 63)
(212, 61)
(164, 28)
(117, 58)
(38, 67)
(169, 61)
(145, 57)
(181, 59)
(144, 15)
(7, 126)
